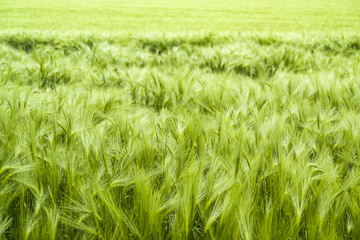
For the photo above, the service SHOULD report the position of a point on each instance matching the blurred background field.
(181, 16)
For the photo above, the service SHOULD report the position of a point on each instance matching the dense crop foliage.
(179, 137)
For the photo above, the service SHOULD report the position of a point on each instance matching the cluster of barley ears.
(179, 137)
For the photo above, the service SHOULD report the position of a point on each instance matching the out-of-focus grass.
(181, 16)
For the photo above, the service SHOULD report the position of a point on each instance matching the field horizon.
(160, 16)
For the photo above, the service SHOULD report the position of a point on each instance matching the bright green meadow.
(179, 119)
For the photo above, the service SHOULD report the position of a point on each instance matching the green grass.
(181, 15)
(179, 119)
(179, 136)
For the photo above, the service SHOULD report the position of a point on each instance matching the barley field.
(123, 120)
